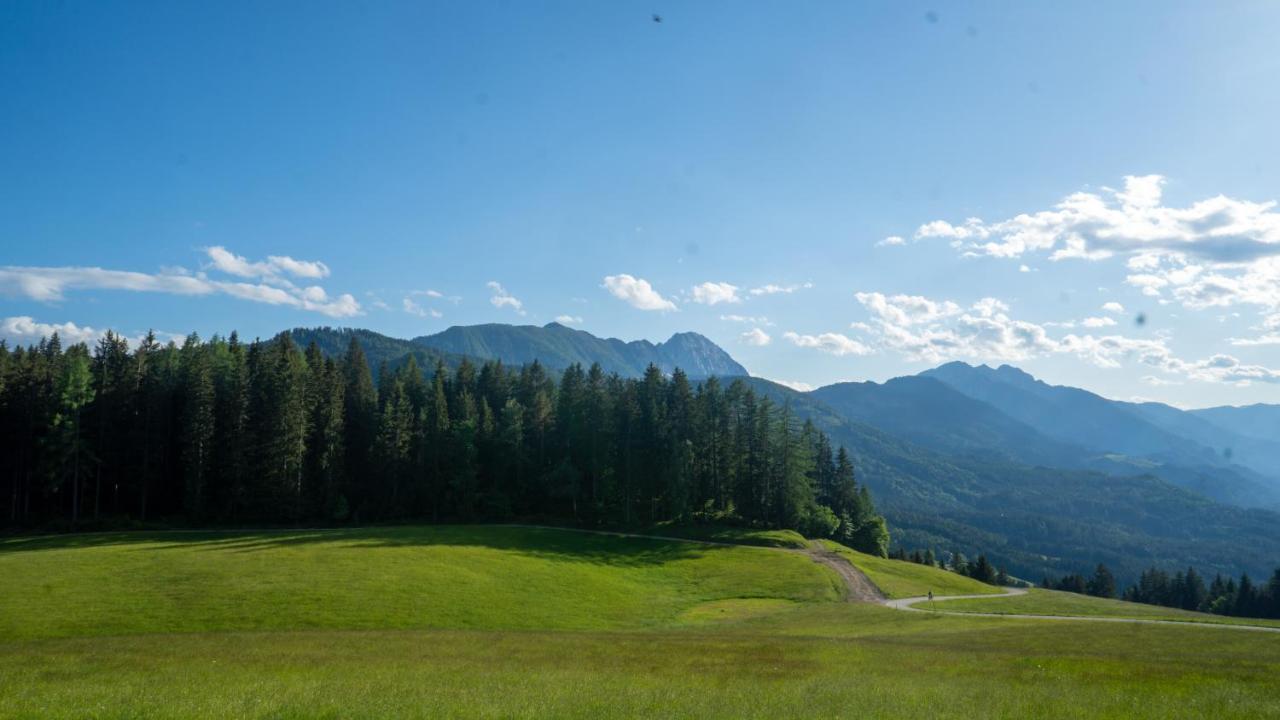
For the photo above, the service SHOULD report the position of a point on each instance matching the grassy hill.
(522, 622)
(412, 577)
(898, 579)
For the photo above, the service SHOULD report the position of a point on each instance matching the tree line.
(221, 431)
(981, 569)
(1222, 596)
(1184, 590)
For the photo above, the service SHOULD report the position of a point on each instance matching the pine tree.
(1103, 583)
(197, 420)
(75, 391)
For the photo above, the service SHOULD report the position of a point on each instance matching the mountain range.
(554, 345)
(1043, 478)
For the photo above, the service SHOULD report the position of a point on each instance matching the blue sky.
(209, 167)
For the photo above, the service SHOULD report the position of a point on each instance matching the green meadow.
(499, 622)
(898, 579)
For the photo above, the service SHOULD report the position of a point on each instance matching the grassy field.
(899, 579)
(505, 622)
(389, 578)
(1052, 602)
(740, 536)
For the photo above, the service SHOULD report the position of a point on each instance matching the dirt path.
(858, 586)
(909, 603)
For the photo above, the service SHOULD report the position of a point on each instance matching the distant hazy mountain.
(1033, 519)
(1255, 421)
(557, 347)
(931, 413)
(1120, 437)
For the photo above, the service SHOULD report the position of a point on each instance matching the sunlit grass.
(511, 623)
(1053, 602)
(407, 577)
(899, 579)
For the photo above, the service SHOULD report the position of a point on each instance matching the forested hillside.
(222, 431)
(1041, 520)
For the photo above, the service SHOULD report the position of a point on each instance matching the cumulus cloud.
(832, 343)
(569, 319)
(637, 292)
(714, 293)
(757, 337)
(1113, 307)
(25, 330)
(503, 299)
(935, 331)
(892, 240)
(50, 284)
(771, 289)
(1133, 219)
(1215, 252)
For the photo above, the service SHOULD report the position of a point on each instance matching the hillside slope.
(1038, 520)
(491, 577)
(1122, 438)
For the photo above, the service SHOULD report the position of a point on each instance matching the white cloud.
(1095, 226)
(24, 330)
(569, 319)
(413, 308)
(637, 292)
(891, 240)
(228, 262)
(1271, 338)
(772, 289)
(1113, 307)
(795, 385)
(49, 284)
(1215, 252)
(757, 337)
(986, 332)
(714, 293)
(748, 319)
(1025, 268)
(1098, 322)
(907, 309)
(501, 298)
(833, 343)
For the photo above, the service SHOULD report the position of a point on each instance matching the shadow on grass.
(556, 544)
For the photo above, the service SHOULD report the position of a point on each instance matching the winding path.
(911, 602)
(859, 587)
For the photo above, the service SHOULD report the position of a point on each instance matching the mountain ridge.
(557, 346)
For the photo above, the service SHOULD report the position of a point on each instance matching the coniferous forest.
(225, 432)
